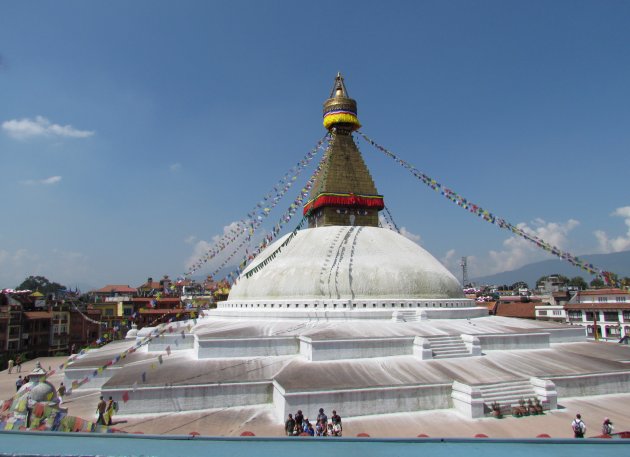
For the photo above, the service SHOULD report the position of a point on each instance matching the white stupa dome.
(346, 263)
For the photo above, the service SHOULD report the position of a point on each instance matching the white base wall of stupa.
(162, 399)
(356, 402)
(386, 309)
(358, 366)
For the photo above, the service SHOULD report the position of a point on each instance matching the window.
(542, 313)
(577, 315)
(589, 315)
(602, 299)
(611, 316)
(557, 312)
(620, 299)
(612, 330)
(626, 315)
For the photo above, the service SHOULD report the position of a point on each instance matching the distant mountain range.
(618, 262)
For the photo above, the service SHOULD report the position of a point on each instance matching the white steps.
(507, 393)
(445, 347)
(405, 315)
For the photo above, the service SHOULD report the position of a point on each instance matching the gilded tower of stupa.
(344, 193)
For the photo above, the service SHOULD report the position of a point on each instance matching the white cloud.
(450, 260)
(190, 239)
(175, 167)
(45, 182)
(201, 247)
(517, 251)
(620, 243)
(25, 128)
(60, 266)
(412, 236)
(403, 230)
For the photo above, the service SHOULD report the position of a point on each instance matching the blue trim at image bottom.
(45, 444)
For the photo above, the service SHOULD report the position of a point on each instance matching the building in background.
(604, 312)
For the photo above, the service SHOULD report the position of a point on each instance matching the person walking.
(100, 410)
(109, 411)
(18, 383)
(289, 425)
(578, 426)
(18, 364)
(10, 366)
(607, 427)
(61, 391)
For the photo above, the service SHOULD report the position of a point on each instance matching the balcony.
(117, 299)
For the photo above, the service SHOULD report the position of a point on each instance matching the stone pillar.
(472, 344)
(422, 348)
(545, 390)
(467, 400)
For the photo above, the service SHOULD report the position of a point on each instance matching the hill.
(618, 262)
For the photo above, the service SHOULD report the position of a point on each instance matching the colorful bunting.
(489, 217)
(262, 209)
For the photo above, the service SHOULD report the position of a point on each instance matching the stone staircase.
(445, 347)
(405, 315)
(507, 393)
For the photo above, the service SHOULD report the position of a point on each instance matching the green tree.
(41, 284)
(597, 283)
(579, 282)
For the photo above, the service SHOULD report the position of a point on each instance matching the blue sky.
(133, 133)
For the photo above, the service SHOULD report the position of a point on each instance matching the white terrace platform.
(361, 366)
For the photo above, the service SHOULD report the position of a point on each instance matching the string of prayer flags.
(462, 202)
(262, 209)
(289, 213)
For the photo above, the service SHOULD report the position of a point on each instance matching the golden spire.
(344, 193)
(340, 111)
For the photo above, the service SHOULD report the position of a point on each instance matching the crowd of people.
(299, 425)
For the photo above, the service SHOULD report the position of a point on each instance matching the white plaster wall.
(77, 374)
(512, 341)
(356, 348)
(572, 334)
(184, 398)
(362, 402)
(175, 341)
(592, 384)
(453, 313)
(281, 313)
(212, 348)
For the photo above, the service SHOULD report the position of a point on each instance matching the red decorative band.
(350, 200)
